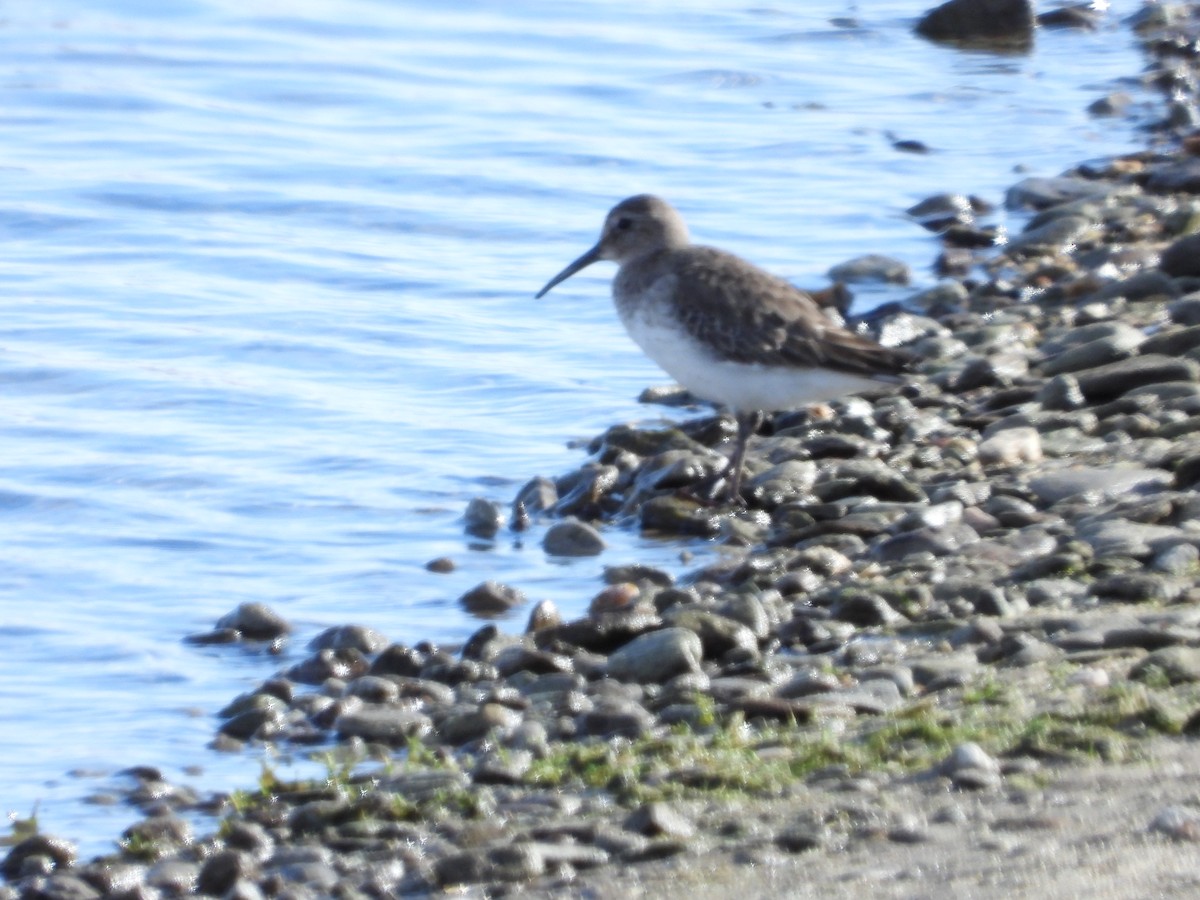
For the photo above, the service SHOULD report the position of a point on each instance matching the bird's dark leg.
(747, 424)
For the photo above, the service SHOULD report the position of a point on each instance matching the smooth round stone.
(491, 599)
(256, 621)
(573, 538)
(1094, 353)
(657, 656)
(872, 267)
(483, 518)
(342, 637)
(969, 766)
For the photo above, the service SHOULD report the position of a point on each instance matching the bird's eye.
(624, 223)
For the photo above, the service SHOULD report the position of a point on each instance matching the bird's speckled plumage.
(727, 330)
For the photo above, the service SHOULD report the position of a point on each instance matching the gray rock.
(509, 767)
(491, 599)
(616, 719)
(469, 722)
(970, 767)
(63, 886)
(1137, 587)
(383, 724)
(718, 634)
(657, 656)
(223, 869)
(1061, 393)
(1041, 193)
(483, 518)
(573, 538)
(1057, 235)
(658, 819)
(936, 541)
(1115, 379)
(61, 852)
(1108, 482)
(1181, 177)
(872, 267)
(1179, 665)
(979, 22)
(1119, 537)
(1094, 353)
(256, 621)
(342, 637)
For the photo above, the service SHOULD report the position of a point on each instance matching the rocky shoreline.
(937, 608)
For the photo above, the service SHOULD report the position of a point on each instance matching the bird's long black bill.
(583, 262)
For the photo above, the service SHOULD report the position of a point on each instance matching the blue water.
(268, 321)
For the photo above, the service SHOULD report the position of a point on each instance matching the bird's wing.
(751, 316)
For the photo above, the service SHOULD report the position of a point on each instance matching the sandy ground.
(1082, 831)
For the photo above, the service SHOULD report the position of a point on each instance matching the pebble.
(491, 599)
(573, 538)
(657, 656)
(256, 621)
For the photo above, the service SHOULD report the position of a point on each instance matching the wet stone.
(343, 637)
(872, 267)
(491, 599)
(61, 852)
(256, 621)
(573, 538)
(483, 518)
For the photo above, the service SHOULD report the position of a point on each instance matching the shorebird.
(728, 331)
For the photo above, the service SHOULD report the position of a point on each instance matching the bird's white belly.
(741, 387)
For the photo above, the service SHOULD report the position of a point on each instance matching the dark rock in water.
(980, 21)
(538, 495)
(491, 599)
(573, 538)
(341, 637)
(443, 565)
(61, 852)
(216, 636)
(1084, 17)
(256, 621)
(483, 518)
(1182, 258)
